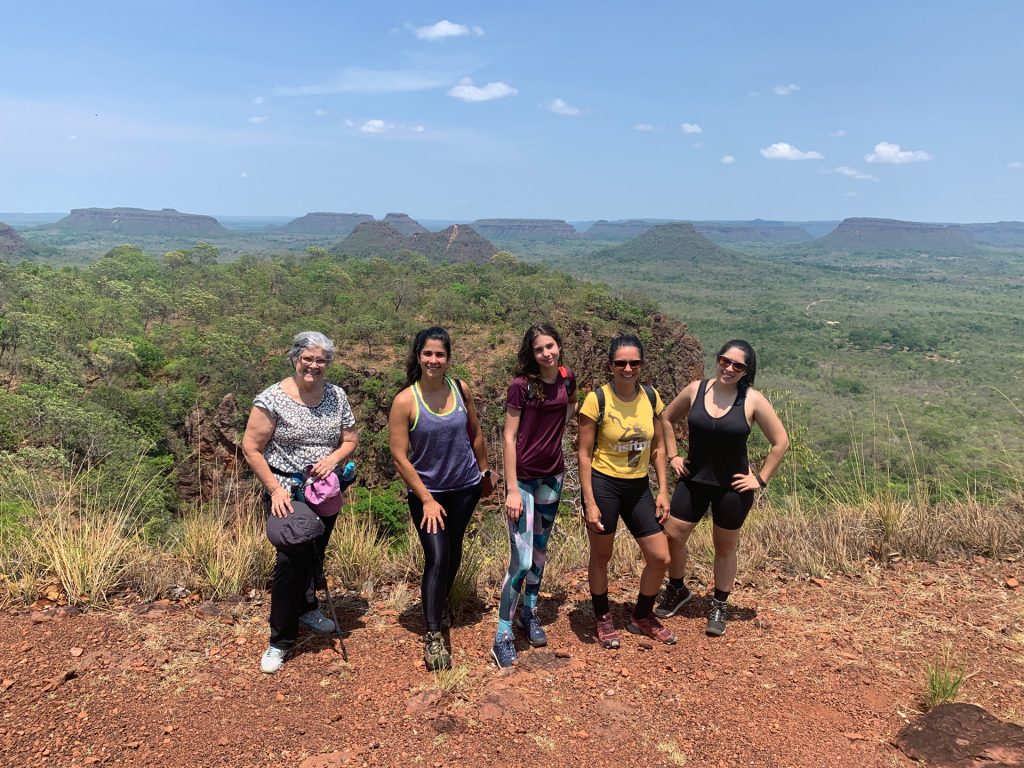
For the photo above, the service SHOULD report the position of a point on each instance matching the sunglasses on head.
(737, 366)
(631, 363)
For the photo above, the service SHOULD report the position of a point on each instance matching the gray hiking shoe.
(435, 655)
(504, 651)
(317, 622)
(716, 618)
(530, 624)
(672, 599)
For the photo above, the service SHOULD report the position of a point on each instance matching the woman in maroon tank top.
(716, 472)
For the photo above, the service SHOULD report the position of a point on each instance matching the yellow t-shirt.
(624, 438)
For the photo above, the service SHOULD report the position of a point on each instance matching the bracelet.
(760, 480)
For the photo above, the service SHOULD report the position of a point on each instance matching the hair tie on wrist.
(760, 480)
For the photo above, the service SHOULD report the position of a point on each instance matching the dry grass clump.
(224, 548)
(357, 554)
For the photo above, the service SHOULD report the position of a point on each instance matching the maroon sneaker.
(607, 634)
(654, 629)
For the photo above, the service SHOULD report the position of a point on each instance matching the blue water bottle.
(348, 474)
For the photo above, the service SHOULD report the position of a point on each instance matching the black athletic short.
(729, 508)
(629, 499)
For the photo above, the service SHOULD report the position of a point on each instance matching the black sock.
(644, 606)
(720, 595)
(600, 604)
(679, 583)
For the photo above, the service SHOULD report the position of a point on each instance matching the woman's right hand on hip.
(280, 502)
(433, 517)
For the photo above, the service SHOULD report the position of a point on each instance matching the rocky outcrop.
(892, 235)
(11, 243)
(669, 244)
(405, 224)
(1001, 233)
(457, 244)
(138, 221)
(525, 229)
(323, 223)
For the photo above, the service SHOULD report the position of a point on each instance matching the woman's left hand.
(662, 507)
(323, 468)
(748, 482)
(487, 485)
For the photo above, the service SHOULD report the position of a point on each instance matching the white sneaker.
(273, 660)
(317, 622)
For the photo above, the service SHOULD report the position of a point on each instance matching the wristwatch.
(487, 474)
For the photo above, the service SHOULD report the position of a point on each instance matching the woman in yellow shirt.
(620, 435)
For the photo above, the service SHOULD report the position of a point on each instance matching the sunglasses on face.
(724, 362)
(634, 364)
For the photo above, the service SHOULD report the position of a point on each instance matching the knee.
(600, 559)
(659, 560)
(725, 549)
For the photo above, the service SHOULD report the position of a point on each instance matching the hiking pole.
(330, 604)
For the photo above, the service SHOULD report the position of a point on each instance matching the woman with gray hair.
(300, 428)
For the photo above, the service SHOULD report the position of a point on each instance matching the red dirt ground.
(809, 674)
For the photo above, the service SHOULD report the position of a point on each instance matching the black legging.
(292, 591)
(442, 550)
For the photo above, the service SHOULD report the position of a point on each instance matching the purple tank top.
(439, 446)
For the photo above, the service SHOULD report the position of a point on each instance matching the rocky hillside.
(11, 243)
(668, 245)
(404, 224)
(752, 232)
(457, 244)
(325, 223)
(138, 221)
(858, 235)
(525, 229)
(617, 231)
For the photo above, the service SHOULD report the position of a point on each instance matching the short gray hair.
(310, 340)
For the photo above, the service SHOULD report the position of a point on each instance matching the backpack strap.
(652, 396)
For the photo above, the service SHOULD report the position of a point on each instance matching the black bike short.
(729, 508)
(629, 499)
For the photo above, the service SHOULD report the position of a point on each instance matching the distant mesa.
(336, 224)
(891, 235)
(756, 231)
(457, 244)
(138, 221)
(670, 244)
(617, 231)
(525, 229)
(404, 224)
(11, 243)
(1001, 233)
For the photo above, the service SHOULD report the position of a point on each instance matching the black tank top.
(718, 447)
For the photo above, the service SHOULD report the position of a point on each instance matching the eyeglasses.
(313, 361)
(634, 364)
(724, 362)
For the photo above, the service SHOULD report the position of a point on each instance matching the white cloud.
(349, 123)
(689, 128)
(257, 119)
(376, 126)
(74, 137)
(418, 129)
(784, 151)
(1014, 164)
(643, 127)
(851, 194)
(698, 145)
(466, 91)
(853, 173)
(838, 133)
(728, 160)
(361, 80)
(445, 28)
(320, 112)
(259, 100)
(785, 90)
(753, 94)
(894, 155)
(243, 175)
(562, 107)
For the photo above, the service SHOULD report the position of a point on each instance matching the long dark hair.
(748, 378)
(526, 363)
(413, 372)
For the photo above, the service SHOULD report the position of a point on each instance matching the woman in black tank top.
(716, 473)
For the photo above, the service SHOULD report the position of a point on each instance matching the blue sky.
(702, 110)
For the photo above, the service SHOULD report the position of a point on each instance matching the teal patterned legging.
(529, 539)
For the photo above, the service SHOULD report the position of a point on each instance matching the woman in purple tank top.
(445, 471)
(719, 413)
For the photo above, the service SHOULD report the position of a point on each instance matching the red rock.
(1012, 583)
(820, 582)
(76, 652)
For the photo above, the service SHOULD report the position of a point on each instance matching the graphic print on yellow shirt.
(624, 438)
